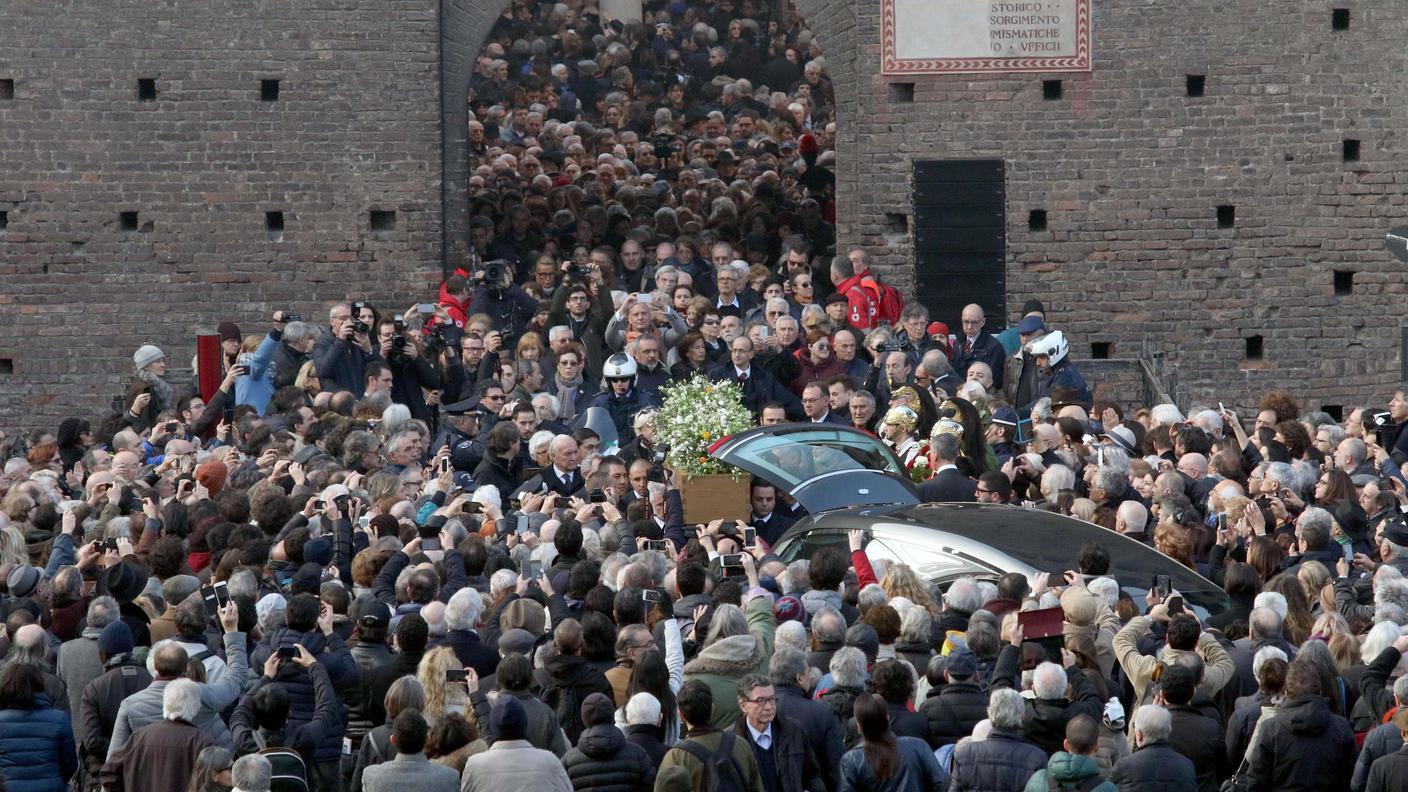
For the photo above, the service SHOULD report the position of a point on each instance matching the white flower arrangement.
(697, 413)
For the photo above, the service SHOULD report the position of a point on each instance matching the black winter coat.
(576, 673)
(1001, 762)
(818, 724)
(797, 770)
(1155, 768)
(953, 711)
(649, 737)
(1199, 738)
(1305, 747)
(122, 677)
(604, 761)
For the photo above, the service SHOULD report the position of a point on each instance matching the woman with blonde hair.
(1314, 577)
(308, 380)
(443, 697)
(12, 547)
(900, 581)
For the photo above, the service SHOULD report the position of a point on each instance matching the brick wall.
(1130, 171)
(355, 128)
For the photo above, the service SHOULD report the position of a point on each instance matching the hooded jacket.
(605, 761)
(342, 673)
(1069, 770)
(582, 678)
(1305, 747)
(723, 663)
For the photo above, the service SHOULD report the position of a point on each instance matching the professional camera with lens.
(494, 272)
(897, 345)
(358, 326)
(664, 146)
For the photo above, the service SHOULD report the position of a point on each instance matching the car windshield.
(789, 456)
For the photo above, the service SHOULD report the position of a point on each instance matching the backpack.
(886, 303)
(288, 771)
(568, 706)
(721, 771)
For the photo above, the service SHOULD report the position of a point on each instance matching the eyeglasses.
(763, 701)
(711, 321)
(986, 492)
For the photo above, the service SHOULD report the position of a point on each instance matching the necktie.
(567, 480)
(742, 378)
(968, 347)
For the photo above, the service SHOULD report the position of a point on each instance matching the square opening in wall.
(7, 89)
(1344, 282)
(896, 223)
(383, 220)
(1050, 89)
(1349, 149)
(901, 93)
(1339, 19)
(1255, 348)
(1100, 350)
(128, 221)
(1226, 216)
(268, 90)
(146, 89)
(1197, 84)
(4, 220)
(7, 366)
(1036, 220)
(1335, 411)
(274, 223)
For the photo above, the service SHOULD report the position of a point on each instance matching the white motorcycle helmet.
(1053, 345)
(619, 366)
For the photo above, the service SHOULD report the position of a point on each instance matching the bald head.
(1131, 518)
(169, 660)
(1194, 466)
(30, 637)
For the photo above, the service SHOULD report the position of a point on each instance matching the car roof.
(998, 534)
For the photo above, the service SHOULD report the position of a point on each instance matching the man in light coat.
(167, 663)
(410, 769)
(512, 763)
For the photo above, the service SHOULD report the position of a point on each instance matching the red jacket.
(858, 308)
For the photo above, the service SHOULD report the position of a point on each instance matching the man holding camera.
(505, 302)
(410, 372)
(342, 354)
(294, 350)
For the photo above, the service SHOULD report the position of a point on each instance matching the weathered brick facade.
(370, 116)
(1131, 171)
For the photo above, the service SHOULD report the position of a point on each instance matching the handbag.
(1241, 780)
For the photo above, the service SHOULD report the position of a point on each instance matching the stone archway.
(465, 26)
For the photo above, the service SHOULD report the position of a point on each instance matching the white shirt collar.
(942, 468)
(759, 735)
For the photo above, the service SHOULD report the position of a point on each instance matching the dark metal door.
(960, 239)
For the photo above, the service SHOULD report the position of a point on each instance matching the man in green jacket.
(702, 740)
(1075, 767)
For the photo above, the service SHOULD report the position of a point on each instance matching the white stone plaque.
(938, 36)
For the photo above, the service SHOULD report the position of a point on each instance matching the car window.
(790, 458)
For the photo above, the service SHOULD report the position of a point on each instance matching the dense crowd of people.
(445, 547)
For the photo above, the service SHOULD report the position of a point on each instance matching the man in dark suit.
(759, 387)
(770, 523)
(978, 345)
(818, 408)
(947, 485)
(562, 476)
